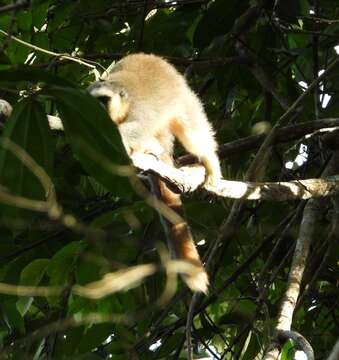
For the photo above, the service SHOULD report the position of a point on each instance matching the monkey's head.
(113, 97)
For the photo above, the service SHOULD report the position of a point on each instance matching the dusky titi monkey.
(151, 104)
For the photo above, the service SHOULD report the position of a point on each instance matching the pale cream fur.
(151, 103)
(158, 105)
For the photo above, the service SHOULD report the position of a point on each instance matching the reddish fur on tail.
(181, 242)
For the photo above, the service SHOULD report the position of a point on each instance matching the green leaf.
(287, 352)
(63, 261)
(218, 20)
(32, 75)
(94, 337)
(169, 346)
(12, 316)
(87, 272)
(160, 26)
(31, 275)
(33, 272)
(69, 345)
(93, 136)
(39, 13)
(241, 312)
(251, 347)
(24, 20)
(28, 128)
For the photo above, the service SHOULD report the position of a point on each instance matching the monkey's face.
(113, 97)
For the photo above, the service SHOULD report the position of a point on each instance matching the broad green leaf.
(12, 316)
(28, 128)
(251, 347)
(33, 272)
(68, 346)
(39, 13)
(93, 137)
(24, 19)
(31, 275)
(87, 272)
(287, 352)
(170, 345)
(61, 264)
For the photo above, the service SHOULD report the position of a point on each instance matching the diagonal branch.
(301, 252)
(289, 302)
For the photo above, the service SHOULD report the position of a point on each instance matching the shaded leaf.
(28, 128)
(93, 136)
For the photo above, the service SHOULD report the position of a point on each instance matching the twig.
(189, 321)
(23, 290)
(65, 324)
(198, 64)
(269, 139)
(302, 131)
(20, 4)
(260, 74)
(52, 53)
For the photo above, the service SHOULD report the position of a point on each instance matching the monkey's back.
(155, 88)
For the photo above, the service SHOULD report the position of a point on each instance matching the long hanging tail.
(180, 241)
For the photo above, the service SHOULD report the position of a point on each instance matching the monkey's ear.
(123, 94)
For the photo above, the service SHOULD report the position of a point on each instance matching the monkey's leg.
(199, 140)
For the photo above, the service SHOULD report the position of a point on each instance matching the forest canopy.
(85, 272)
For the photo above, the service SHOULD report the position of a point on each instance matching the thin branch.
(65, 324)
(189, 321)
(261, 75)
(302, 131)
(23, 290)
(261, 154)
(22, 202)
(198, 64)
(52, 53)
(335, 352)
(20, 4)
(120, 280)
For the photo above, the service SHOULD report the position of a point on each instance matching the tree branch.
(90, 64)
(189, 178)
(283, 135)
(335, 352)
(294, 279)
(20, 4)
(288, 305)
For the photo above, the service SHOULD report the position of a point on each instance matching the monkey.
(151, 103)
